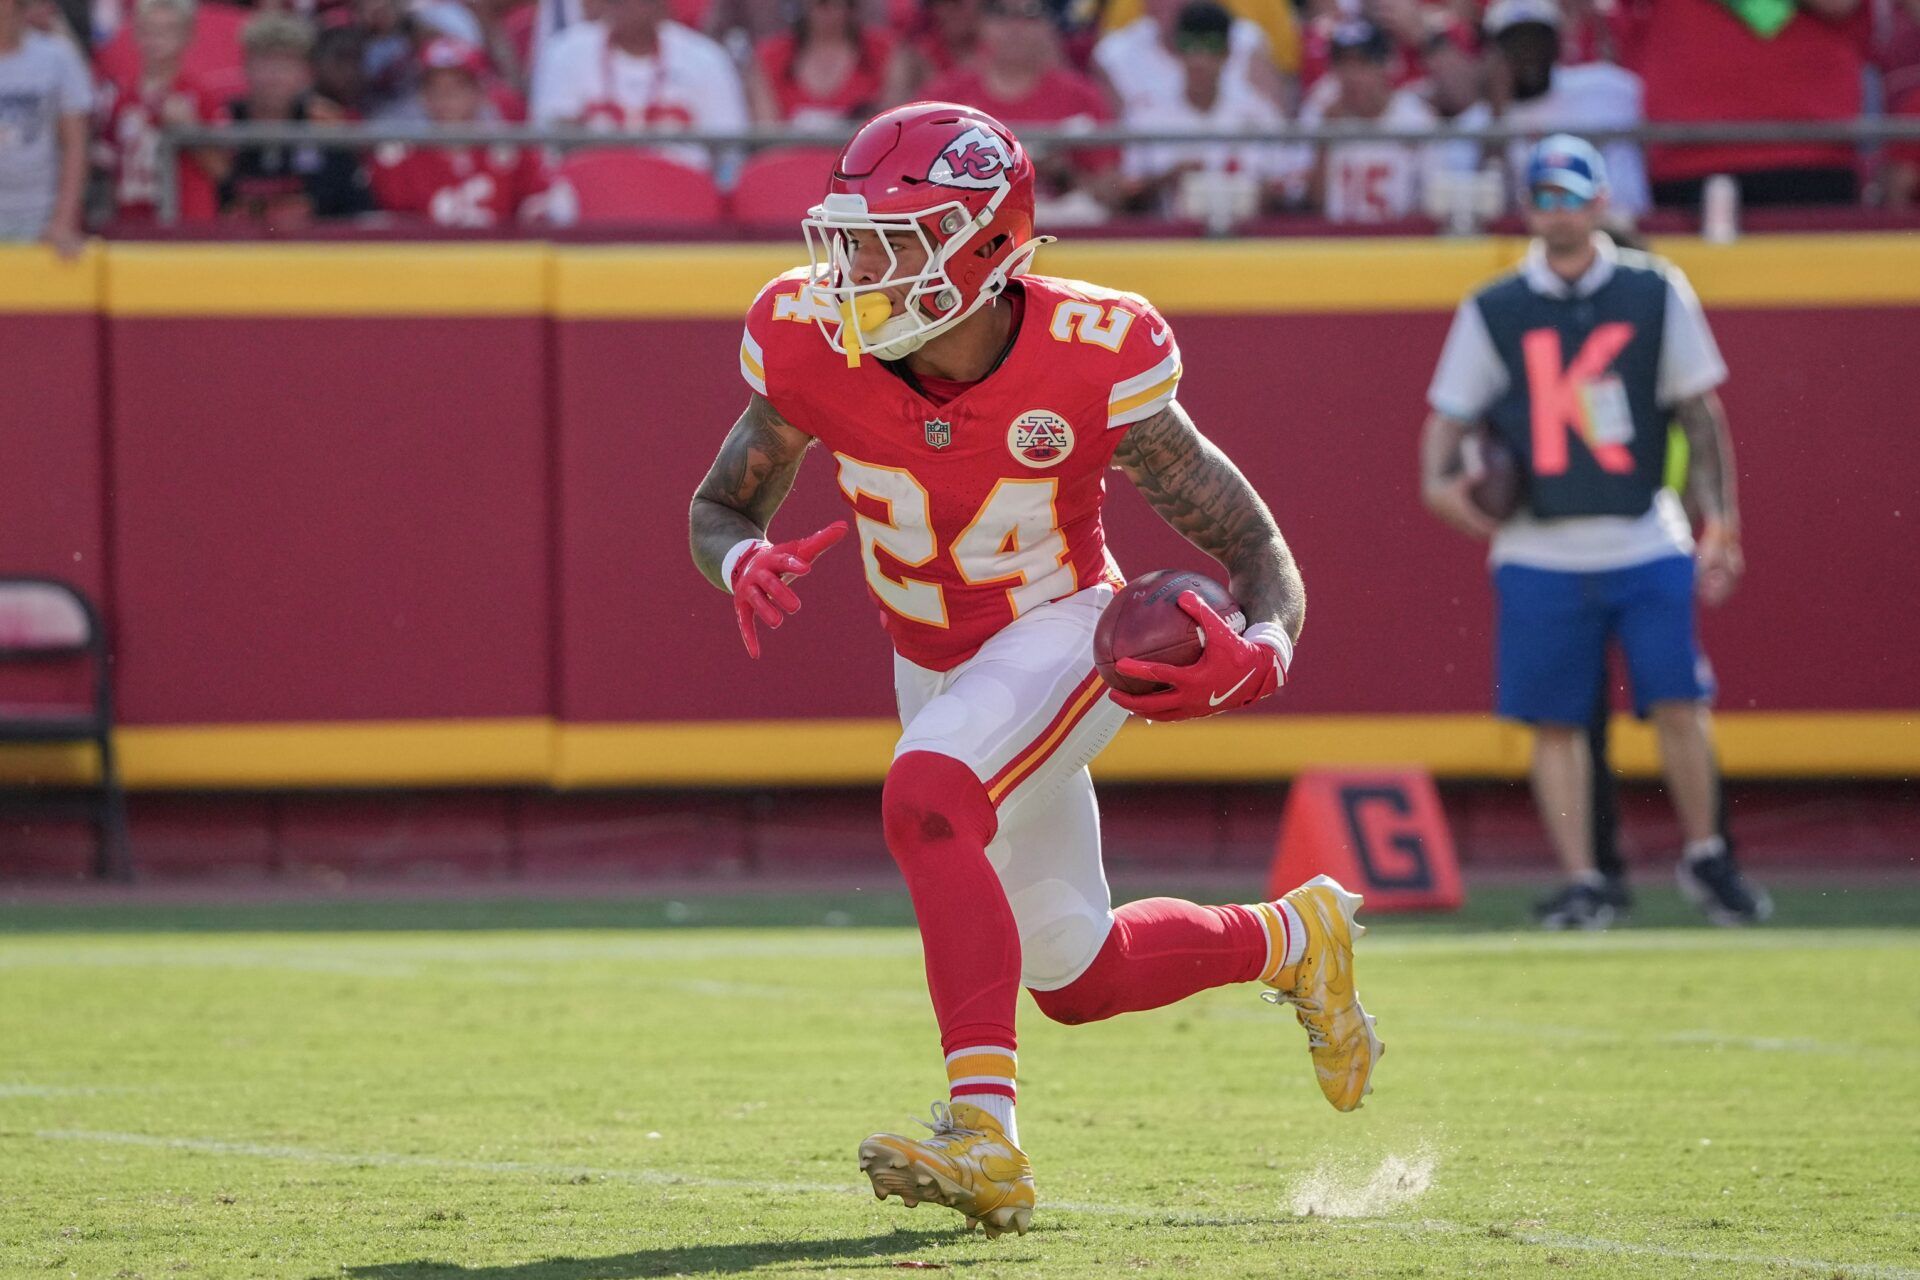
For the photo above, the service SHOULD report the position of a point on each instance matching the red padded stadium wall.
(52, 483)
(642, 406)
(440, 491)
(330, 519)
(1323, 412)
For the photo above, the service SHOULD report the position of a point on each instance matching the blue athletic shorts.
(1552, 634)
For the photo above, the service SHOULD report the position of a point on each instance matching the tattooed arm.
(1711, 492)
(1197, 489)
(1710, 487)
(748, 482)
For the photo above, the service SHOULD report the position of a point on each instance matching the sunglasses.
(1548, 200)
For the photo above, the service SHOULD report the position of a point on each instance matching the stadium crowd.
(85, 88)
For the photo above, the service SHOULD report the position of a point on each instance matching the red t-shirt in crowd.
(1700, 62)
(857, 97)
(129, 148)
(483, 187)
(1061, 95)
(213, 59)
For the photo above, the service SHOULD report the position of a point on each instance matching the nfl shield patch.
(939, 434)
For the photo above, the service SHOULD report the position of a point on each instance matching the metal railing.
(1041, 141)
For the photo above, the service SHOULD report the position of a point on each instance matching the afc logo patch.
(939, 433)
(1040, 438)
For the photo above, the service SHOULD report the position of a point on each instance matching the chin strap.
(992, 287)
(1016, 264)
(854, 340)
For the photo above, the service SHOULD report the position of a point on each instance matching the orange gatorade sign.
(1380, 832)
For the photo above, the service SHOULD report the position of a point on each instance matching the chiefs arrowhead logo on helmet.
(976, 160)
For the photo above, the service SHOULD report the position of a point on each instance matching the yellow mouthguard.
(871, 313)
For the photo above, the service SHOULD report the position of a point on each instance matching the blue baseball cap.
(1567, 162)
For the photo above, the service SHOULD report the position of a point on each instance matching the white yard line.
(665, 1178)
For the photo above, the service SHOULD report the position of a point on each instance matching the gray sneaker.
(1716, 886)
(1578, 906)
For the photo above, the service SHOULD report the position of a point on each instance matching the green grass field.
(592, 1090)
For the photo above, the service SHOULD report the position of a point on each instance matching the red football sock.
(938, 821)
(1162, 950)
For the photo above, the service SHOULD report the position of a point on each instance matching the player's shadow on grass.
(879, 1252)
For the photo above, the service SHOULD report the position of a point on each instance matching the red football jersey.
(461, 186)
(129, 148)
(972, 512)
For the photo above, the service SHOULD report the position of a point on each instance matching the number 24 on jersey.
(1014, 537)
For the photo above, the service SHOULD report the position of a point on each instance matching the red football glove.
(761, 575)
(1233, 669)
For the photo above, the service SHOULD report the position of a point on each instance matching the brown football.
(1145, 621)
(1500, 488)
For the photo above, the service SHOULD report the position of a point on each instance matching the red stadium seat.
(779, 186)
(620, 186)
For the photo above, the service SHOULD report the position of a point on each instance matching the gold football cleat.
(967, 1164)
(1320, 989)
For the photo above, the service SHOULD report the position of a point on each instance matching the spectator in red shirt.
(827, 70)
(1020, 79)
(161, 93)
(944, 34)
(474, 187)
(1701, 61)
(212, 58)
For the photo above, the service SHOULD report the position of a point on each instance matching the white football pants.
(1027, 714)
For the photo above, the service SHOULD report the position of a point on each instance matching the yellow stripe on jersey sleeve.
(1143, 404)
(751, 367)
(1145, 393)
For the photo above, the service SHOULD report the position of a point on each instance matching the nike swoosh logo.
(1160, 337)
(1214, 700)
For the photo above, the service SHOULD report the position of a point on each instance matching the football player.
(970, 411)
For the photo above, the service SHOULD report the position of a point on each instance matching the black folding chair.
(45, 622)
